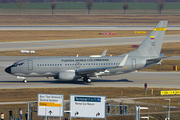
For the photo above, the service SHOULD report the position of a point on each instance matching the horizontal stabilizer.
(153, 59)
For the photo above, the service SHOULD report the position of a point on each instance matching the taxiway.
(73, 43)
(84, 27)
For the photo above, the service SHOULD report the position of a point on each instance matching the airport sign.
(86, 106)
(50, 105)
(170, 92)
(139, 32)
(177, 92)
(145, 86)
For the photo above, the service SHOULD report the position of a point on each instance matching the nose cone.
(8, 70)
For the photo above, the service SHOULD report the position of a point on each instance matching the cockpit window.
(17, 64)
(14, 65)
(20, 64)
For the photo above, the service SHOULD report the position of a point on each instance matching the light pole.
(168, 109)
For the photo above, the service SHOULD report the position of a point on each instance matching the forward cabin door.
(133, 61)
(30, 65)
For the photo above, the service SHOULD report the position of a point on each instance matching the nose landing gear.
(22, 78)
(25, 81)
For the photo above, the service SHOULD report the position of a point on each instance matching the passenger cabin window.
(42, 64)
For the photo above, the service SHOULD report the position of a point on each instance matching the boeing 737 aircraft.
(74, 68)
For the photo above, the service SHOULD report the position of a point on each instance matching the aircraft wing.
(103, 69)
(92, 70)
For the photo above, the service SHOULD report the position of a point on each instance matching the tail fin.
(151, 46)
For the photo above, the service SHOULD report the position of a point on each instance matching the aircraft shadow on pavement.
(30, 81)
(103, 80)
(94, 81)
(50, 81)
(47, 82)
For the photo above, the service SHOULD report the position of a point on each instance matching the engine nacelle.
(67, 75)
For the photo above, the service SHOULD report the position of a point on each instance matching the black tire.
(85, 79)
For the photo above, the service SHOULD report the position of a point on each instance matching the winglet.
(123, 61)
(104, 53)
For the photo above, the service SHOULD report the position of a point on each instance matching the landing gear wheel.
(88, 80)
(25, 81)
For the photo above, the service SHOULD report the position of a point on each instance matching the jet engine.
(67, 75)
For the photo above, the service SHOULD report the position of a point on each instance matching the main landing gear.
(86, 79)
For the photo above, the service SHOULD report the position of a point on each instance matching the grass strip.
(38, 35)
(30, 94)
(81, 5)
(88, 19)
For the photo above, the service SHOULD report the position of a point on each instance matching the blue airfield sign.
(86, 106)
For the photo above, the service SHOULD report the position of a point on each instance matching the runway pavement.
(134, 79)
(72, 43)
(84, 27)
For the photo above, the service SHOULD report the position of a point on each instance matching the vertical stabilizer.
(151, 46)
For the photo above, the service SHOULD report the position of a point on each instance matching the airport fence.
(115, 109)
(85, 11)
